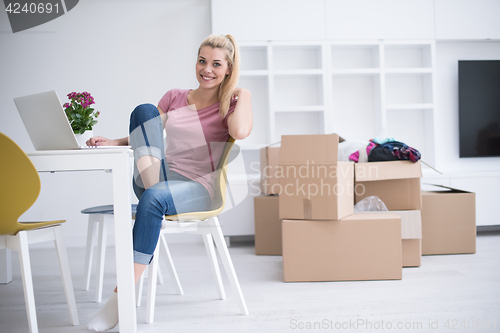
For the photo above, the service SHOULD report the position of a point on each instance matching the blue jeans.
(174, 194)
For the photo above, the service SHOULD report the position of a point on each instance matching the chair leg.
(101, 256)
(66, 274)
(212, 257)
(89, 252)
(170, 264)
(29, 297)
(152, 275)
(138, 290)
(216, 232)
(160, 275)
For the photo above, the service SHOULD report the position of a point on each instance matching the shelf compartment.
(291, 72)
(354, 56)
(263, 73)
(253, 58)
(297, 57)
(408, 70)
(260, 109)
(413, 127)
(299, 123)
(305, 108)
(415, 106)
(305, 90)
(411, 56)
(409, 89)
(354, 106)
(355, 71)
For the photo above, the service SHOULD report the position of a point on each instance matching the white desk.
(118, 162)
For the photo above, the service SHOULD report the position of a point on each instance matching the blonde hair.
(230, 47)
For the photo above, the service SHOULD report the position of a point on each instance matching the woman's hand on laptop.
(101, 141)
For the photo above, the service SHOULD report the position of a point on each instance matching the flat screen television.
(479, 107)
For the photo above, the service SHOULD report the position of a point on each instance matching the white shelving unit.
(358, 89)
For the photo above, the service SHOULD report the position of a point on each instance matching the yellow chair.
(206, 224)
(20, 187)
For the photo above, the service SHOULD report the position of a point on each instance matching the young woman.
(181, 178)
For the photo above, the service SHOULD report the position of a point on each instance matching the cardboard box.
(269, 163)
(412, 252)
(314, 185)
(411, 223)
(396, 183)
(448, 222)
(358, 247)
(411, 235)
(267, 225)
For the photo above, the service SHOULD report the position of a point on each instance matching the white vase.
(82, 138)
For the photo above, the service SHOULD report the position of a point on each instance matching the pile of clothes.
(377, 150)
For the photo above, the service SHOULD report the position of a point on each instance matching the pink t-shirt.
(195, 138)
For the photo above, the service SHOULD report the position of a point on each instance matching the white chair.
(99, 218)
(19, 190)
(207, 225)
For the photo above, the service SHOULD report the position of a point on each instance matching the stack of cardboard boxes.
(397, 184)
(322, 239)
(307, 215)
(267, 222)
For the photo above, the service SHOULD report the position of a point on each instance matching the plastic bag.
(372, 203)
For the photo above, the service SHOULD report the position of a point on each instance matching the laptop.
(47, 124)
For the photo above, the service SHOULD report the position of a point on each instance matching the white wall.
(124, 53)
(447, 136)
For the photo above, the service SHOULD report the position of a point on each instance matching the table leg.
(123, 245)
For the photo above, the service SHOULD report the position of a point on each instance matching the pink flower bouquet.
(80, 115)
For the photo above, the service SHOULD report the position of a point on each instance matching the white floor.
(447, 293)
